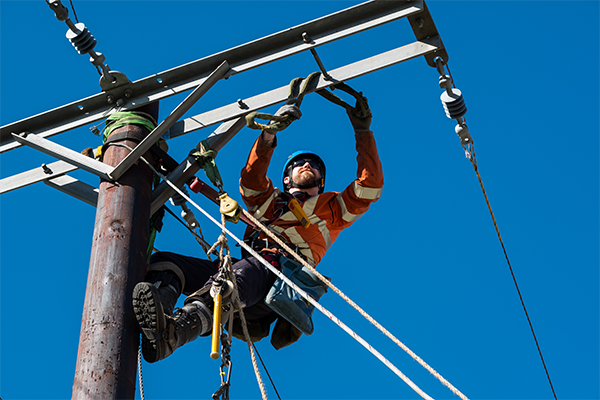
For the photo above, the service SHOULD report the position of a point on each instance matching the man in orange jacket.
(328, 213)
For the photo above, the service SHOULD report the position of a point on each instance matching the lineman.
(328, 213)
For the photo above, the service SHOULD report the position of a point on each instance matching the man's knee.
(166, 272)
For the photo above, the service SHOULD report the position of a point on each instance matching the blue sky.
(425, 261)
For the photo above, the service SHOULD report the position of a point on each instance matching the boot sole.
(150, 316)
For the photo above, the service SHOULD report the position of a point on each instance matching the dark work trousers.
(253, 280)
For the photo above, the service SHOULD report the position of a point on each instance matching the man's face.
(306, 174)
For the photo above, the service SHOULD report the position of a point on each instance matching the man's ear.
(286, 180)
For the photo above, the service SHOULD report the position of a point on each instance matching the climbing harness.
(310, 299)
(307, 297)
(319, 306)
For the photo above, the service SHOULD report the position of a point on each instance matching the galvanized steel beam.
(63, 153)
(427, 46)
(35, 175)
(233, 115)
(241, 58)
(189, 167)
(75, 188)
(164, 126)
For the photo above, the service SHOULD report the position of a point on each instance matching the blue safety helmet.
(299, 155)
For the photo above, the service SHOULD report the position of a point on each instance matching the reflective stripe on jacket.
(329, 213)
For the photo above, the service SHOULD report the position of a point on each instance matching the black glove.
(360, 125)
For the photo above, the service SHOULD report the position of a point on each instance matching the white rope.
(139, 361)
(306, 296)
(316, 303)
(236, 302)
(355, 306)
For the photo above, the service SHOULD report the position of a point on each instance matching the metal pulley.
(229, 208)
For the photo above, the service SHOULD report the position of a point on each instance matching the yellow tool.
(229, 208)
(216, 331)
(297, 210)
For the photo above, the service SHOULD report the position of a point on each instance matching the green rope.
(206, 158)
(297, 89)
(122, 118)
(279, 122)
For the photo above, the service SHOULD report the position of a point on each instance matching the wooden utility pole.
(109, 339)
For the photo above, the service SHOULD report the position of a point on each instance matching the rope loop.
(205, 156)
(309, 298)
(122, 118)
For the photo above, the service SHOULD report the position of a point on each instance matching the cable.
(303, 293)
(266, 370)
(199, 238)
(284, 278)
(475, 167)
(74, 13)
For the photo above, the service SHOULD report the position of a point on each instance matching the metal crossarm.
(189, 167)
(75, 188)
(241, 58)
(71, 156)
(233, 114)
(35, 175)
(164, 126)
(428, 46)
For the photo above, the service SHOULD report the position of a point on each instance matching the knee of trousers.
(168, 266)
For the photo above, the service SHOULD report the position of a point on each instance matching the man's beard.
(306, 179)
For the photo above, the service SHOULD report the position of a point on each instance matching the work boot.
(149, 306)
(184, 326)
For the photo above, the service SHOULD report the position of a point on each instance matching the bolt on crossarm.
(108, 343)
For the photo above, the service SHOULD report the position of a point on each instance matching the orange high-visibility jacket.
(329, 213)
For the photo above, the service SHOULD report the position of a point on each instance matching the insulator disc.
(454, 104)
(83, 41)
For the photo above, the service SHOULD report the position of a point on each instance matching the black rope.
(74, 13)
(265, 368)
(475, 167)
(180, 221)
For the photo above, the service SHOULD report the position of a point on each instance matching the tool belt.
(260, 245)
